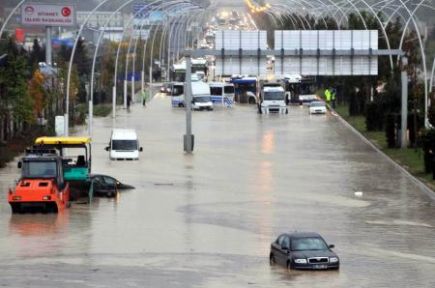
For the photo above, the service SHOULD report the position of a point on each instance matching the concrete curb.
(426, 190)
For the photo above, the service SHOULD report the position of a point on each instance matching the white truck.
(272, 100)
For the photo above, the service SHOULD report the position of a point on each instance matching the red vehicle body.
(41, 185)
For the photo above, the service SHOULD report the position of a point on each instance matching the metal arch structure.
(119, 48)
(146, 43)
(177, 3)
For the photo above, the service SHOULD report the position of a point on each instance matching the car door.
(110, 184)
(279, 252)
(98, 184)
(284, 250)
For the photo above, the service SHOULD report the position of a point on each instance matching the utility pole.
(404, 116)
(188, 137)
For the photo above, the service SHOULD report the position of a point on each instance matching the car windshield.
(313, 243)
(317, 104)
(39, 169)
(124, 145)
(202, 99)
(274, 96)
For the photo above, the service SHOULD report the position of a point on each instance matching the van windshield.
(177, 90)
(124, 145)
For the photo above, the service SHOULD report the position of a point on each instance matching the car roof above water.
(304, 235)
(124, 134)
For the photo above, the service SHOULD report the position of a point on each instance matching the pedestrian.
(144, 99)
(333, 97)
(327, 95)
(128, 102)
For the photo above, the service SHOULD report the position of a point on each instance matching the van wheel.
(180, 105)
(251, 101)
(286, 110)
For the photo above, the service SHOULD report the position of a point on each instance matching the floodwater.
(207, 219)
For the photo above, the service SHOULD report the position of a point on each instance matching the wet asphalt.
(207, 219)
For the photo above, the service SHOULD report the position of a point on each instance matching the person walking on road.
(333, 97)
(328, 95)
(144, 99)
(128, 102)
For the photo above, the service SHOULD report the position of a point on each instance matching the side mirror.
(140, 149)
(19, 164)
(107, 148)
(331, 246)
(285, 248)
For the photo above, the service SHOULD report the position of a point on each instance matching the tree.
(37, 93)
(37, 55)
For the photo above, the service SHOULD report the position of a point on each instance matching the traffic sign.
(48, 14)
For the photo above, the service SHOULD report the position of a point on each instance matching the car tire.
(272, 260)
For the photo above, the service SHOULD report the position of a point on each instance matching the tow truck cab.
(42, 185)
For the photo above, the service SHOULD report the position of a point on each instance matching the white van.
(201, 99)
(124, 145)
(222, 93)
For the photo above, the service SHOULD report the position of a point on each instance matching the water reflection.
(37, 224)
(36, 235)
(268, 142)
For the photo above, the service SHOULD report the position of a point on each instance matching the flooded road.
(207, 220)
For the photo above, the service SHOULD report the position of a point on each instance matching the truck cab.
(272, 100)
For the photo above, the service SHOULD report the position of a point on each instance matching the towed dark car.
(108, 186)
(303, 251)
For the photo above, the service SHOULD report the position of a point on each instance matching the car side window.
(286, 242)
(280, 240)
(98, 180)
(109, 180)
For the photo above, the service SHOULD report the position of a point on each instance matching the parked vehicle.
(42, 185)
(317, 107)
(202, 103)
(299, 90)
(177, 94)
(245, 89)
(76, 153)
(300, 250)
(222, 93)
(165, 88)
(108, 186)
(124, 145)
(272, 100)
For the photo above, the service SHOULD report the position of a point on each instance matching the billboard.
(48, 14)
(334, 41)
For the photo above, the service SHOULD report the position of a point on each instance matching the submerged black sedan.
(303, 251)
(108, 186)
